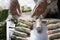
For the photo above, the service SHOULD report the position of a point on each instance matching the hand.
(39, 9)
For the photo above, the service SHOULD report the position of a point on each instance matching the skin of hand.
(41, 8)
(15, 8)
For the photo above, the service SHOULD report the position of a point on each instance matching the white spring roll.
(38, 25)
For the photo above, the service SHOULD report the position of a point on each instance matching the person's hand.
(39, 8)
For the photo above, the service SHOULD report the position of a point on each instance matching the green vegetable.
(3, 32)
(26, 9)
(15, 20)
(3, 15)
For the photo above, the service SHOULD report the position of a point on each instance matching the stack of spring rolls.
(22, 31)
(53, 29)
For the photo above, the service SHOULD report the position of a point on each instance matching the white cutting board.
(39, 36)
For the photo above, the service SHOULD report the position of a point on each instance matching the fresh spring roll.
(20, 34)
(26, 22)
(53, 31)
(17, 38)
(22, 29)
(23, 25)
(52, 26)
(38, 25)
(54, 36)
